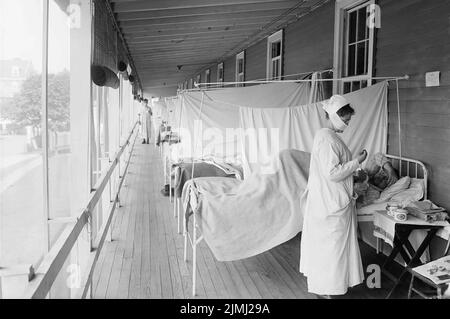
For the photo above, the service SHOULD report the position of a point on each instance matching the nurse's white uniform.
(330, 256)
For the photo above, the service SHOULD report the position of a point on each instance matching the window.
(198, 79)
(208, 76)
(191, 83)
(23, 215)
(275, 56)
(220, 72)
(36, 149)
(240, 68)
(45, 150)
(354, 42)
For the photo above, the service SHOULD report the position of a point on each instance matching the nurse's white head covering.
(334, 104)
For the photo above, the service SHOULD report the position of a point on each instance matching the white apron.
(330, 256)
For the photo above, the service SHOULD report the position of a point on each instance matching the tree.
(25, 108)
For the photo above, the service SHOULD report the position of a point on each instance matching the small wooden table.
(402, 245)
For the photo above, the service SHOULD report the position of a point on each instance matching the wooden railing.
(41, 282)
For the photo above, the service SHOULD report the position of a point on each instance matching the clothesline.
(405, 77)
(295, 74)
(220, 84)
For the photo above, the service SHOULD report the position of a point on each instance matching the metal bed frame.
(405, 167)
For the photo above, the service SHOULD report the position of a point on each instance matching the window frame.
(341, 31)
(240, 76)
(275, 37)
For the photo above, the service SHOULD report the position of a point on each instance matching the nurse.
(330, 256)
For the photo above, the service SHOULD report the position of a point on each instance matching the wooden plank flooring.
(145, 258)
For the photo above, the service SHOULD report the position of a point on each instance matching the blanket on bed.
(202, 169)
(240, 219)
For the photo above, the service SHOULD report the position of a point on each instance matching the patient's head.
(383, 176)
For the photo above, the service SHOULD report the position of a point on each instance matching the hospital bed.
(405, 167)
(239, 219)
(187, 169)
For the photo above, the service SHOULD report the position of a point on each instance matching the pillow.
(402, 184)
(415, 192)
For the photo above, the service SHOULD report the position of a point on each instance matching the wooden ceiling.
(164, 34)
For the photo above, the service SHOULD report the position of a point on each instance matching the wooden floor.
(145, 258)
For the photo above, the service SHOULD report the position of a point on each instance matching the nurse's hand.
(362, 156)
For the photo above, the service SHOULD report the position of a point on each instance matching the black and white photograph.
(224, 158)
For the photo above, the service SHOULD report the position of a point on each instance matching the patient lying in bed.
(370, 182)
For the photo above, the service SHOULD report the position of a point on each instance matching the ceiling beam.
(130, 6)
(188, 35)
(174, 62)
(271, 14)
(153, 32)
(182, 14)
(178, 45)
(147, 57)
(194, 26)
(192, 50)
(191, 40)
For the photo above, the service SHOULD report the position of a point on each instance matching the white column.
(80, 104)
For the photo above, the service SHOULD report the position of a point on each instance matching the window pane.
(351, 60)
(276, 49)
(362, 23)
(356, 85)
(347, 87)
(276, 69)
(22, 231)
(366, 66)
(104, 107)
(59, 124)
(352, 27)
(361, 63)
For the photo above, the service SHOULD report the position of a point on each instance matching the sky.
(21, 34)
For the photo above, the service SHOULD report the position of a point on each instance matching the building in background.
(13, 73)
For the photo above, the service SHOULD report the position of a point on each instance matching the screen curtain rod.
(391, 78)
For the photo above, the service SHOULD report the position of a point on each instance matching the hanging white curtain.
(210, 120)
(295, 127)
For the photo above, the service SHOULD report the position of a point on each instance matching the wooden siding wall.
(160, 92)
(229, 69)
(213, 69)
(308, 43)
(255, 61)
(414, 38)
